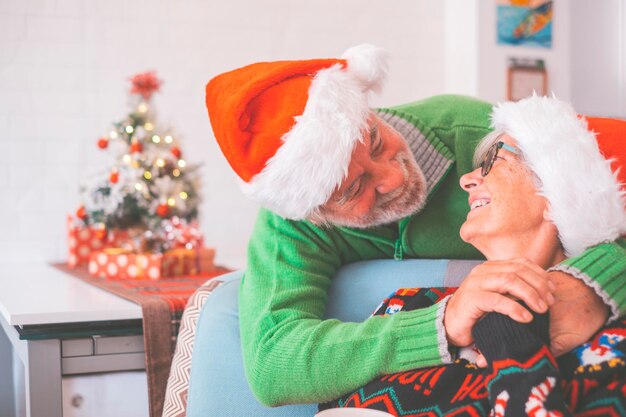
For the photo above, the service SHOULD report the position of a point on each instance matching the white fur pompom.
(368, 64)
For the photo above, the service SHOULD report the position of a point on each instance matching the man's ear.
(317, 218)
(546, 212)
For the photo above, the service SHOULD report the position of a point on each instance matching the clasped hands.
(576, 311)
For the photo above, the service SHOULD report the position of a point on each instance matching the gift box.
(117, 263)
(83, 240)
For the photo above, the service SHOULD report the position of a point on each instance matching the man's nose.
(389, 176)
(471, 179)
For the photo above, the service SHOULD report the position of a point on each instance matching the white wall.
(598, 57)
(461, 45)
(493, 57)
(63, 71)
(64, 66)
(586, 64)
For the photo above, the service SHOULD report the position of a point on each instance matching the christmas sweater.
(291, 354)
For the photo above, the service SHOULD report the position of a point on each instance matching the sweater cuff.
(448, 353)
(420, 337)
(603, 269)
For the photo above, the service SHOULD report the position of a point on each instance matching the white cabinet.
(113, 394)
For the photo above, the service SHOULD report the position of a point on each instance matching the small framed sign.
(526, 76)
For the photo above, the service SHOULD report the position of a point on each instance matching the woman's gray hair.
(484, 145)
(493, 137)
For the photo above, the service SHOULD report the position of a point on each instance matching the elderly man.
(341, 183)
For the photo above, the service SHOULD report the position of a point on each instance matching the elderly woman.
(542, 192)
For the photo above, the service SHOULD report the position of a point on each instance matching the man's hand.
(492, 286)
(576, 315)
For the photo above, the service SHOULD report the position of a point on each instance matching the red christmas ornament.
(103, 143)
(136, 147)
(175, 150)
(114, 177)
(163, 210)
(101, 234)
(81, 213)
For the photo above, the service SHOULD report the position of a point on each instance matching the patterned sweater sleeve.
(291, 354)
(603, 268)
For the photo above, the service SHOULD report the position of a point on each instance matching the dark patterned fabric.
(594, 377)
(524, 378)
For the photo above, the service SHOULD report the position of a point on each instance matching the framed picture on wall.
(525, 77)
(525, 23)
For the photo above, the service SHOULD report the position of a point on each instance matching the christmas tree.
(149, 191)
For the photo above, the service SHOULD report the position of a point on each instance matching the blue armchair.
(207, 377)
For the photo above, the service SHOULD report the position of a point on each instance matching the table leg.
(42, 375)
(7, 392)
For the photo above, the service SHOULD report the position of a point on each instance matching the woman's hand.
(576, 315)
(493, 287)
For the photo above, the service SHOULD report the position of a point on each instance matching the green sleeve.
(292, 355)
(602, 267)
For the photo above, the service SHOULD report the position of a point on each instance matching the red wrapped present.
(83, 240)
(117, 263)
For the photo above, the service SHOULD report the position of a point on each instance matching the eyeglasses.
(492, 154)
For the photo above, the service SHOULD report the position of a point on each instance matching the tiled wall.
(63, 79)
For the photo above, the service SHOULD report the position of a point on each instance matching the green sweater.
(291, 354)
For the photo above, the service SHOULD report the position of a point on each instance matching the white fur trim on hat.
(314, 158)
(586, 203)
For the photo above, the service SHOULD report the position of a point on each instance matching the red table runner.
(162, 304)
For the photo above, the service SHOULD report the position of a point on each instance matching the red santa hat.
(587, 200)
(288, 128)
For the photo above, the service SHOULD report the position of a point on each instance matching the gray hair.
(484, 145)
(493, 137)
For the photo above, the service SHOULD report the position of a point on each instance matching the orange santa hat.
(288, 128)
